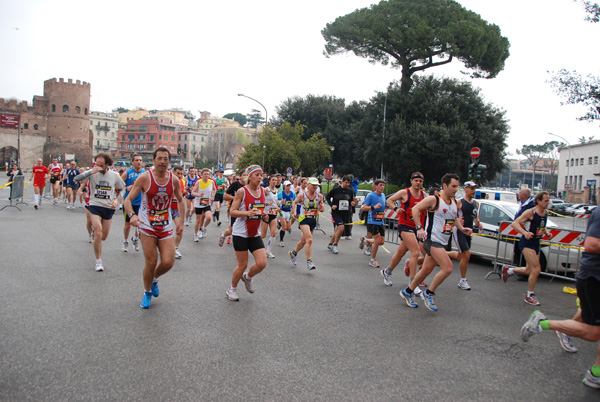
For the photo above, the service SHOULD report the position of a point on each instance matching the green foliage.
(255, 118)
(578, 90)
(414, 35)
(283, 147)
(592, 10)
(240, 118)
(121, 110)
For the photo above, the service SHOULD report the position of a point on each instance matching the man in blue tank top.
(129, 177)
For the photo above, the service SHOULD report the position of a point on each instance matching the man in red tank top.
(148, 183)
(407, 227)
(38, 175)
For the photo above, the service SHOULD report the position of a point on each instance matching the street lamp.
(263, 164)
(266, 115)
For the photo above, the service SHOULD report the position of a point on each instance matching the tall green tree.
(255, 118)
(578, 90)
(240, 118)
(415, 35)
(534, 153)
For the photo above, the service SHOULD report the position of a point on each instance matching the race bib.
(448, 225)
(344, 205)
(311, 213)
(272, 211)
(158, 218)
(260, 207)
(378, 216)
(102, 193)
(287, 204)
(204, 201)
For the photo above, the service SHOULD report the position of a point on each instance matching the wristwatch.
(419, 227)
(130, 215)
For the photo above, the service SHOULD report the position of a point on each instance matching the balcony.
(104, 128)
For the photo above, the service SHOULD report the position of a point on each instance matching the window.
(173, 138)
(185, 147)
(152, 138)
(65, 108)
(26, 126)
(580, 182)
(35, 126)
(581, 161)
(77, 110)
(160, 137)
(85, 111)
(567, 163)
(54, 108)
(572, 162)
(576, 162)
(172, 148)
(590, 160)
(202, 139)
(595, 160)
(491, 214)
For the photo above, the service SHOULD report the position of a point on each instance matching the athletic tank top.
(270, 197)
(174, 204)
(190, 184)
(468, 212)
(205, 190)
(310, 208)
(55, 170)
(440, 220)
(132, 176)
(249, 226)
(407, 218)
(155, 211)
(287, 200)
(536, 225)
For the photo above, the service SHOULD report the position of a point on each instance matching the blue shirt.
(372, 199)
(589, 264)
(71, 173)
(132, 175)
(286, 198)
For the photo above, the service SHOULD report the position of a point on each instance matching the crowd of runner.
(159, 201)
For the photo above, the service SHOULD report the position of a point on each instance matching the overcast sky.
(198, 55)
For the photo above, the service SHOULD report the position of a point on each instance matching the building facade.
(579, 166)
(105, 130)
(57, 124)
(144, 136)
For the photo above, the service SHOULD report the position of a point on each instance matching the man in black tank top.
(468, 210)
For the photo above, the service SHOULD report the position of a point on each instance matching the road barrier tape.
(580, 216)
(7, 184)
(386, 250)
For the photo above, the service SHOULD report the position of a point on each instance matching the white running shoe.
(177, 253)
(99, 266)
(281, 244)
(200, 233)
(566, 341)
(90, 239)
(417, 291)
(186, 222)
(125, 246)
(136, 243)
(363, 241)
(196, 238)
(248, 282)
(387, 279)
(232, 294)
(68, 206)
(334, 248)
(221, 239)
(310, 266)
(463, 284)
(367, 250)
(270, 254)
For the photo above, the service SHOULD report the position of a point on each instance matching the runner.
(191, 179)
(468, 212)
(247, 208)
(221, 187)
(442, 215)
(204, 190)
(269, 220)
(532, 226)
(229, 196)
(55, 173)
(312, 203)
(299, 190)
(178, 172)
(71, 185)
(158, 187)
(341, 200)
(103, 200)
(38, 176)
(374, 203)
(586, 323)
(129, 177)
(285, 198)
(407, 228)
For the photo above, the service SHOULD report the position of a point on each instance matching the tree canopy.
(579, 90)
(416, 35)
(239, 117)
(283, 147)
(255, 118)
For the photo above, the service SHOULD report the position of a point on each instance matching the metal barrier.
(559, 257)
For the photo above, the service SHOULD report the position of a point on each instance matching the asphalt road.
(336, 333)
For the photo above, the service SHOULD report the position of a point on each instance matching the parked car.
(560, 208)
(360, 196)
(552, 258)
(585, 209)
(571, 210)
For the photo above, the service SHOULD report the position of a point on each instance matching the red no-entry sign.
(475, 152)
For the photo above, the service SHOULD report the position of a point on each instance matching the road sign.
(289, 170)
(475, 152)
(591, 183)
(328, 173)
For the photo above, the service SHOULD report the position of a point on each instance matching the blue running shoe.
(154, 289)
(146, 300)
(409, 298)
(429, 302)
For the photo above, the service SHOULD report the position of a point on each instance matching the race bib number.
(272, 211)
(220, 187)
(448, 225)
(378, 216)
(204, 201)
(287, 204)
(258, 206)
(344, 205)
(102, 193)
(311, 213)
(158, 218)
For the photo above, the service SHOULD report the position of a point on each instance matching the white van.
(498, 195)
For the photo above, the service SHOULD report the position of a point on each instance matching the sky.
(198, 55)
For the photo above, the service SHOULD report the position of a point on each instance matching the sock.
(388, 271)
(232, 288)
(530, 293)
(281, 235)
(98, 260)
(335, 244)
(429, 292)
(248, 277)
(217, 215)
(294, 253)
(35, 199)
(510, 271)
(330, 244)
(154, 280)
(545, 324)
(308, 261)
(409, 290)
(270, 243)
(595, 371)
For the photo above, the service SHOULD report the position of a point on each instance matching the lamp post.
(569, 161)
(263, 164)
(266, 114)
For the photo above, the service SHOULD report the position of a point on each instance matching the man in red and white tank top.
(55, 171)
(155, 222)
(407, 227)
